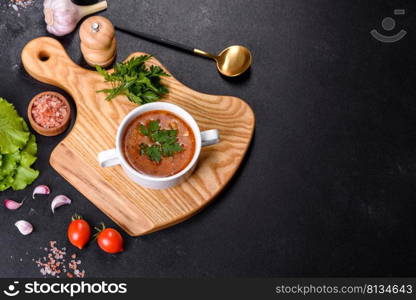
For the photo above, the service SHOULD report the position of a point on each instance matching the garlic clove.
(12, 205)
(41, 190)
(24, 227)
(59, 201)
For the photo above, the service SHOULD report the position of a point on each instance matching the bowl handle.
(108, 158)
(210, 137)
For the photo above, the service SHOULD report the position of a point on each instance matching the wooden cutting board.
(137, 210)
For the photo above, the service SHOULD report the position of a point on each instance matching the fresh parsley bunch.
(141, 84)
(165, 141)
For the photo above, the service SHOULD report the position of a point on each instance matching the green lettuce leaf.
(24, 177)
(13, 129)
(28, 153)
(17, 150)
(6, 183)
(9, 164)
(31, 146)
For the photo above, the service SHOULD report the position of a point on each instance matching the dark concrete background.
(328, 187)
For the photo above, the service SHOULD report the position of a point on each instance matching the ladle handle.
(157, 39)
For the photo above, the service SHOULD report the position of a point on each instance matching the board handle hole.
(43, 56)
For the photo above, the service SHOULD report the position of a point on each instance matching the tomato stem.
(76, 217)
(99, 229)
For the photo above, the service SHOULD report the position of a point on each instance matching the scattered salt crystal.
(55, 264)
(15, 7)
(20, 3)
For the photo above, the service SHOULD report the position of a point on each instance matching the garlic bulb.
(62, 16)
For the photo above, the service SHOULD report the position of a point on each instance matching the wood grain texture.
(137, 210)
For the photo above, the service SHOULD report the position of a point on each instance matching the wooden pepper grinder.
(98, 42)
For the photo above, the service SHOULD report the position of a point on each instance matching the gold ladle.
(231, 62)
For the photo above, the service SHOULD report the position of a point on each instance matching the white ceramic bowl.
(115, 156)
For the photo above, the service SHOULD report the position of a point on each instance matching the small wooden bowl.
(49, 131)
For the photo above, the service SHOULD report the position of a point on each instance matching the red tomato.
(79, 232)
(110, 240)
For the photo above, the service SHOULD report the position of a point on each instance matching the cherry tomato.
(110, 240)
(79, 232)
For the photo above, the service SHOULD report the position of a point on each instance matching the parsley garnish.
(132, 78)
(165, 141)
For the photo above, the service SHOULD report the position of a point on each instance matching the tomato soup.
(136, 138)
